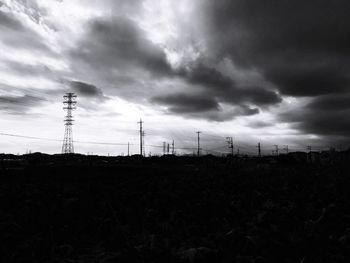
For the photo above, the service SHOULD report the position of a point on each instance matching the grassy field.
(173, 210)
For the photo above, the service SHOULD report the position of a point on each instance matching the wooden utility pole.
(141, 137)
(198, 143)
(259, 149)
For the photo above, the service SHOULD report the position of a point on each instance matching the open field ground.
(173, 210)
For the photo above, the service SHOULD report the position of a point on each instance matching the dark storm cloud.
(336, 123)
(19, 104)
(310, 79)
(90, 97)
(85, 89)
(225, 89)
(325, 115)
(226, 115)
(119, 44)
(331, 103)
(255, 95)
(302, 46)
(321, 122)
(200, 106)
(187, 103)
(207, 76)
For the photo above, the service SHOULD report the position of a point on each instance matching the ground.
(81, 209)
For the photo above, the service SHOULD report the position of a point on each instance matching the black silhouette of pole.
(141, 137)
(259, 149)
(128, 149)
(230, 144)
(198, 142)
(164, 146)
(276, 149)
(143, 143)
(308, 155)
(173, 147)
(286, 148)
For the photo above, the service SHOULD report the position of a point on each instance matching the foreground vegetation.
(173, 210)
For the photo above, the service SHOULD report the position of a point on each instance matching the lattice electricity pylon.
(69, 102)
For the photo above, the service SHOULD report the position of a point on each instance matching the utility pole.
(230, 144)
(198, 143)
(259, 149)
(173, 148)
(143, 143)
(128, 149)
(276, 149)
(164, 146)
(286, 149)
(308, 155)
(141, 137)
(69, 102)
(168, 148)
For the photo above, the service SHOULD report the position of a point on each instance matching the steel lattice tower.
(69, 102)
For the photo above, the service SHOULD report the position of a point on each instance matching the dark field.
(173, 210)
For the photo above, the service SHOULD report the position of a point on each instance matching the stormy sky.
(275, 72)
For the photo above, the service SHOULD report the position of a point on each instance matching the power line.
(104, 143)
(56, 140)
(213, 151)
(245, 147)
(218, 137)
(28, 137)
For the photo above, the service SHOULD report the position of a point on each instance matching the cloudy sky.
(275, 72)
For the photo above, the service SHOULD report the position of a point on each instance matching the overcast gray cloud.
(15, 34)
(30, 70)
(19, 105)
